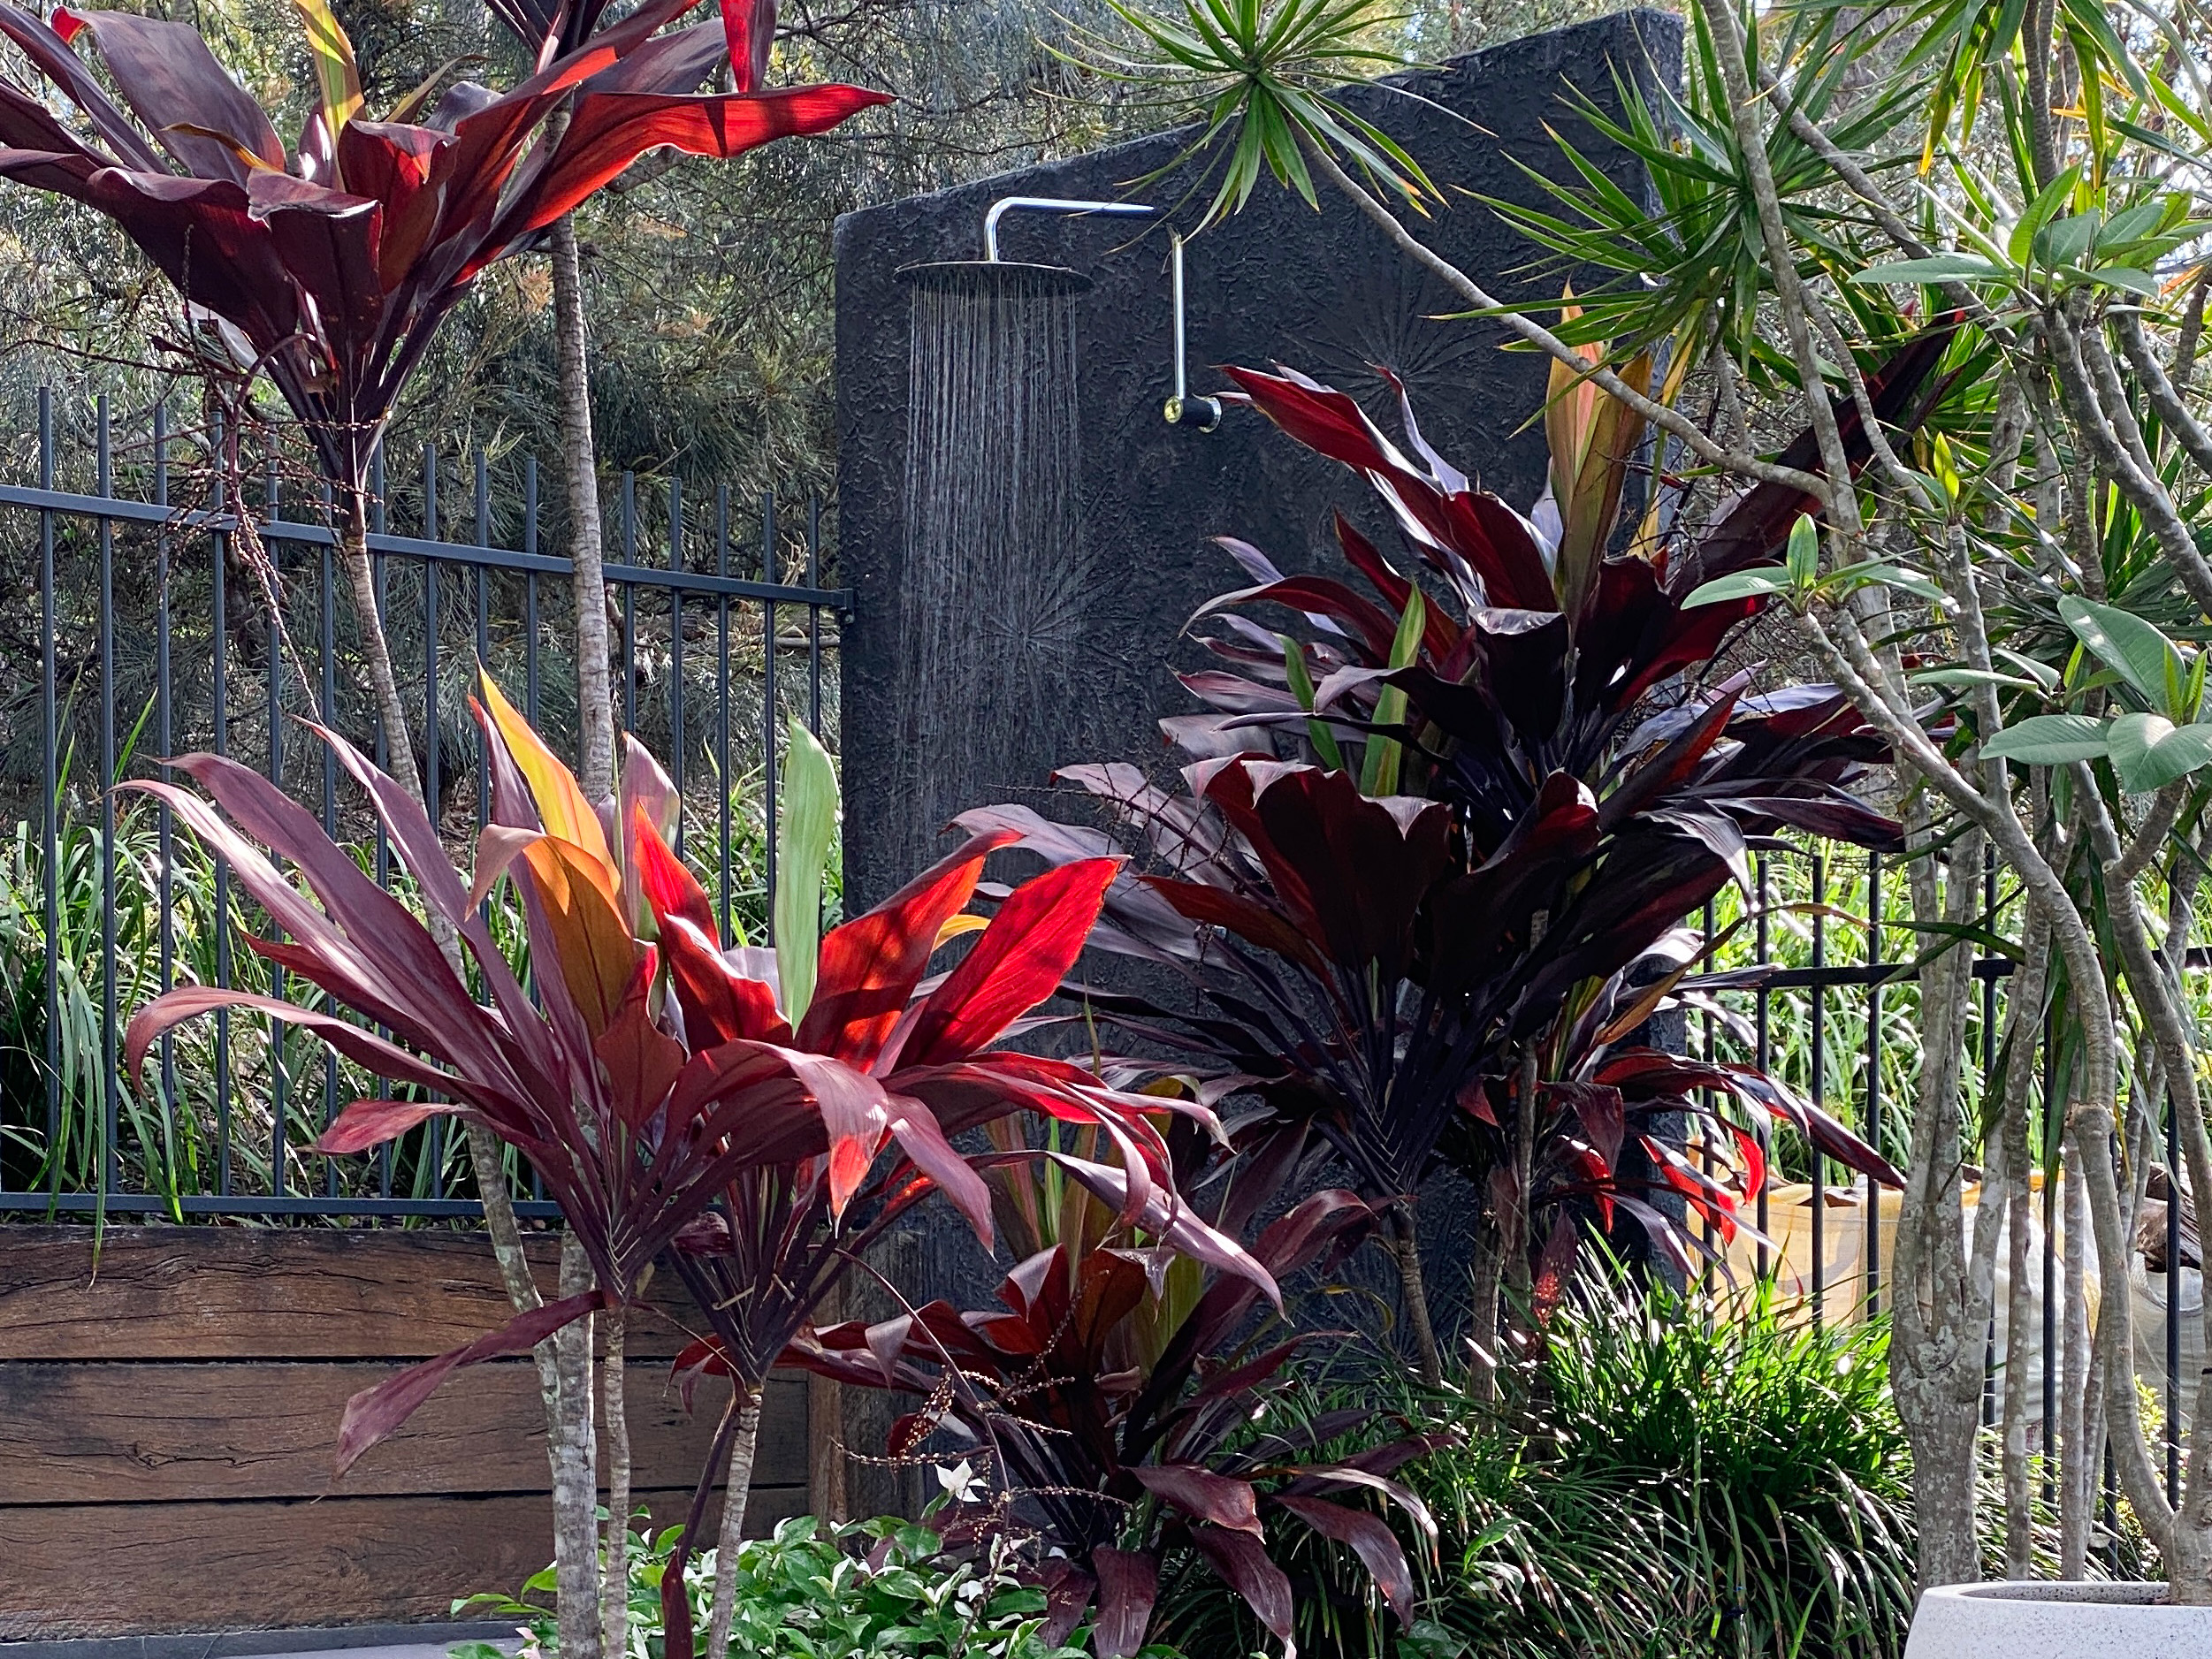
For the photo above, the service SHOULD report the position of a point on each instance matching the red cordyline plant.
(650, 1078)
(328, 267)
(1118, 1404)
(1426, 881)
(780, 1235)
(336, 261)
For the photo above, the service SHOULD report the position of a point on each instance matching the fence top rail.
(273, 529)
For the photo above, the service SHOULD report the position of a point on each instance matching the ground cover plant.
(818, 1591)
(1661, 1475)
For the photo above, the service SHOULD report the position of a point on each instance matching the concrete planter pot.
(2056, 1621)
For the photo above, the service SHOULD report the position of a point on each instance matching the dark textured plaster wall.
(1322, 291)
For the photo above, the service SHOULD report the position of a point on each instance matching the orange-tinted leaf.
(561, 807)
(593, 951)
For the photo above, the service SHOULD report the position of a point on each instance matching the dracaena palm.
(1426, 938)
(328, 268)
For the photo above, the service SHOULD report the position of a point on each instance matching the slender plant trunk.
(735, 1492)
(2077, 1477)
(2023, 1023)
(614, 1576)
(579, 1584)
(575, 1478)
(1482, 1330)
(1942, 1284)
(2020, 1516)
(595, 694)
(1406, 1245)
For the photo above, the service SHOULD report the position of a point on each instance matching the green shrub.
(1668, 1476)
(818, 1591)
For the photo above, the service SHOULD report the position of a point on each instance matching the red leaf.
(1371, 1539)
(669, 888)
(1241, 1560)
(720, 1004)
(1128, 1584)
(869, 967)
(1204, 1495)
(750, 26)
(1019, 960)
(374, 1413)
(915, 1129)
(366, 1123)
(641, 1061)
(610, 130)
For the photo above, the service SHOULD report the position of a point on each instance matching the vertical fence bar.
(433, 1139)
(1762, 1042)
(328, 690)
(110, 1078)
(430, 575)
(484, 635)
(50, 782)
(1871, 1229)
(677, 743)
(767, 681)
(530, 590)
(165, 735)
(722, 700)
(376, 563)
(814, 617)
(221, 717)
(279, 1095)
(629, 603)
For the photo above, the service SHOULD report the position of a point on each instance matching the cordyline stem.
(614, 1579)
(735, 1492)
(575, 1475)
(579, 449)
(1406, 1245)
(486, 1160)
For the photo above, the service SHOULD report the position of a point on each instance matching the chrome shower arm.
(1005, 205)
(1181, 409)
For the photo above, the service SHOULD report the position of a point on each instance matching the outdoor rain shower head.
(1000, 277)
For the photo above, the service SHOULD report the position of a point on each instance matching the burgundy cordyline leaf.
(338, 264)
(1242, 1562)
(1371, 1539)
(375, 1412)
(1204, 1495)
(1128, 1585)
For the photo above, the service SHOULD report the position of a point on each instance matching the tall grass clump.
(1667, 1476)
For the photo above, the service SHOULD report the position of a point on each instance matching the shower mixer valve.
(1181, 409)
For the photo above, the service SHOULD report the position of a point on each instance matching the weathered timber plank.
(103, 1570)
(264, 1293)
(90, 1433)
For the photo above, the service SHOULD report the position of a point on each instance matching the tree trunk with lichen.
(579, 1594)
(595, 696)
(738, 1488)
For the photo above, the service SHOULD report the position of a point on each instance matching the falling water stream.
(996, 569)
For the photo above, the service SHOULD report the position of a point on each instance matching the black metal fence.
(140, 625)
